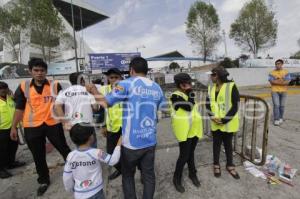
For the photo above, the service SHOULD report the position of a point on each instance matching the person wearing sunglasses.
(222, 107)
(187, 128)
(112, 129)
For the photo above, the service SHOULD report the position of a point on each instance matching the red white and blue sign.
(106, 61)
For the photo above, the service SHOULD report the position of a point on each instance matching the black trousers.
(111, 143)
(130, 159)
(36, 140)
(226, 138)
(186, 155)
(8, 148)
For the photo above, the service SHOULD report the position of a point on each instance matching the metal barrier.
(252, 117)
(253, 112)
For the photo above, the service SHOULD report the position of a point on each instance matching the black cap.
(3, 85)
(182, 78)
(113, 71)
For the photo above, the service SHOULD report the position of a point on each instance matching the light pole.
(75, 43)
(139, 47)
(225, 45)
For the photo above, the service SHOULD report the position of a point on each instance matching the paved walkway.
(283, 142)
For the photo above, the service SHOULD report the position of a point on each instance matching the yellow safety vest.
(7, 110)
(221, 107)
(186, 124)
(113, 114)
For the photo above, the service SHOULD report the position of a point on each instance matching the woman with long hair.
(222, 106)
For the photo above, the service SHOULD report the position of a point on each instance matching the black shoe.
(217, 171)
(195, 180)
(178, 185)
(16, 164)
(233, 173)
(114, 175)
(42, 189)
(4, 174)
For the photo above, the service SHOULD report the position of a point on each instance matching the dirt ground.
(283, 142)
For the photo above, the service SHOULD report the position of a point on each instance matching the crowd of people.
(131, 107)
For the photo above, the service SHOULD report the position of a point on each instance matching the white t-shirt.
(78, 104)
(83, 173)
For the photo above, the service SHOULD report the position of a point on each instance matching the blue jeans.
(99, 195)
(278, 99)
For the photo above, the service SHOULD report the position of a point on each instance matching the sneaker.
(281, 121)
(4, 174)
(276, 123)
(42, 189)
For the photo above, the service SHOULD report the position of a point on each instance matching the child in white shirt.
(82, 172)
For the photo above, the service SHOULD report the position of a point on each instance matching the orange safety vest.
(39, 107)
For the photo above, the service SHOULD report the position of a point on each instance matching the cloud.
(122, 13)
(157, 40)
(232, 5)
(159, 25)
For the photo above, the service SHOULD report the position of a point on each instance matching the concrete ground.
(283, 142)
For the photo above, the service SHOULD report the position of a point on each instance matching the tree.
(244, 57)
(47, 27)
(203, 27)
(228, 63)
(255, 28)
(40, 18)
(12, 22)
(295, 56)
(173, 66)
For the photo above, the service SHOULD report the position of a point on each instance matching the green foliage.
(12, 22)
(296, 55)
(203, 27)
(40, 17)
(255, 28)
(174, 65)
(228, 63)
(46, 25)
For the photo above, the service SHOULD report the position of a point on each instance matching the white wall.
(182, 63)
(241, 76)
(289, 63)
(253, 76)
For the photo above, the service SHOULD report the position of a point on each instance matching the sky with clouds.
(159, 25)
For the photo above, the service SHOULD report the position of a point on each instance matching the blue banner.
(111, 60)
